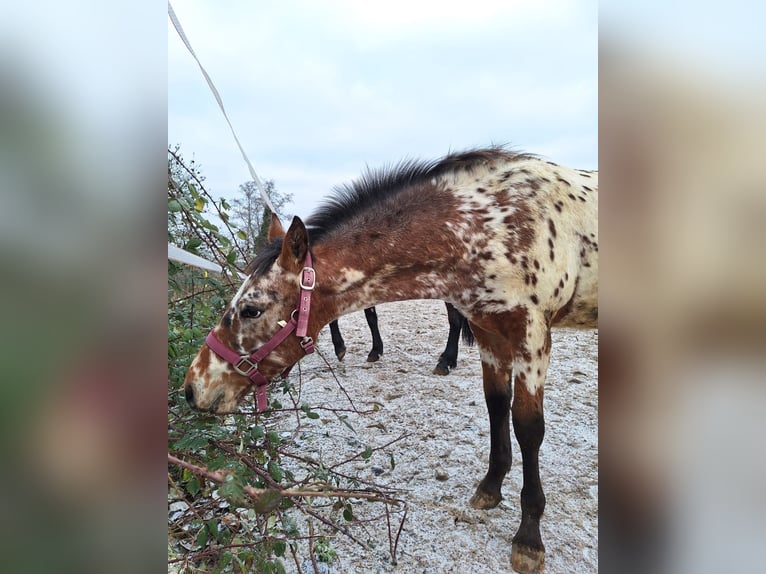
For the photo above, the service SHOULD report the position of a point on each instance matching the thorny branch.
(219, 477)
(210, 199)
(199, 230)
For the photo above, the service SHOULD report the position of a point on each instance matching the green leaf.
(275, 471)
(256, 433)
(367, 453)
(225, 560)
(232, 490)
(279, 548)
(212, 527)
(242, 235)
(312, 415)
(274, 438)
(174, 206)
(348, 513)
(217, 463)
(193, 486)
(199, 204)
(193, 243)
(267, 501)
(202, 536)
(191, 442)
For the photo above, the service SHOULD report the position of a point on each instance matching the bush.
(234, 503)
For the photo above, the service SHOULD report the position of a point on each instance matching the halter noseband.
(247, 365)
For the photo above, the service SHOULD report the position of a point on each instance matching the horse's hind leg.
(448, 359)
(337, 340)
(377, 342)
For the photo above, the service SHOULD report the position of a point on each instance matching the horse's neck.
(353, 276)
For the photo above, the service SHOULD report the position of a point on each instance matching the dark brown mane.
(376, 186)
(373, 190)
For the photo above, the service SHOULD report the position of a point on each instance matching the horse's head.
(256, 338)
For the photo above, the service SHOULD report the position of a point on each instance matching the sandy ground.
(439, 465)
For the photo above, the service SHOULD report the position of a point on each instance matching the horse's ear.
(275, 228)
(295, 245)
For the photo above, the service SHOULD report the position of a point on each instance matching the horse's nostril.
(189, 391)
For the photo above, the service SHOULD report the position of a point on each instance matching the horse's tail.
(465, 330)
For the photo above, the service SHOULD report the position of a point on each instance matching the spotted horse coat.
(507, 238)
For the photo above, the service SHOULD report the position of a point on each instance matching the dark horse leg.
(377, 343)
(526, 352)
(337, 340)
(457, 323)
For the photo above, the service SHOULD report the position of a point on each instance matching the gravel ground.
(437, 467)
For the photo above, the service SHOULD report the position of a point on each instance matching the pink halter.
(247, 365)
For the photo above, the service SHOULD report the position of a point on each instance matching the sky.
(316, 91)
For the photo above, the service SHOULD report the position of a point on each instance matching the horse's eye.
(251, 313)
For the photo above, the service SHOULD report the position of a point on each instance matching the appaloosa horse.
(447, 360)
(510, 240)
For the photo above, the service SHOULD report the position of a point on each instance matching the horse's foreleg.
(377, 342)
(448, 359)
(337, 340)
(528, 554)
(497, 394)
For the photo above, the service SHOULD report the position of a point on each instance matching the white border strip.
(177, 254)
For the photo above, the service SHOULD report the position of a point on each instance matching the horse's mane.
(376, 186)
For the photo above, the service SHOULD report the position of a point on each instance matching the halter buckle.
(307, 344)
(308, 271)
(247, 362)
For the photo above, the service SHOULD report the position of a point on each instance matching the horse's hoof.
(441, 370)
(373, 357)
(483, 500)
(526, 560)
(341, 354)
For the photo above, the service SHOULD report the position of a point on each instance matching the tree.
(253, 217)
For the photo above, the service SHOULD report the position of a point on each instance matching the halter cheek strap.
(247, 365)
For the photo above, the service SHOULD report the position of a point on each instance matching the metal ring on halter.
(251, 366)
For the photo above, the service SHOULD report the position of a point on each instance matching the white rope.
(177, 254)
(185, 40)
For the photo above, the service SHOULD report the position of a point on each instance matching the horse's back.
(531, 228)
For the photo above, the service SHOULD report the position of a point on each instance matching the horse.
(509, 239)
(447, 360)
